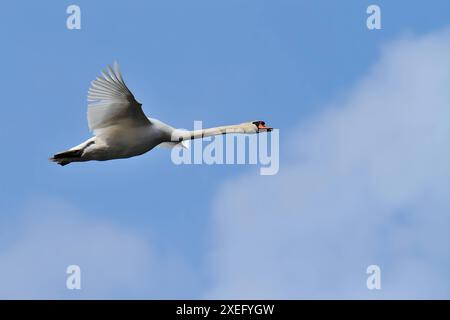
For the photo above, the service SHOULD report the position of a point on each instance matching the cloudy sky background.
(365, 164)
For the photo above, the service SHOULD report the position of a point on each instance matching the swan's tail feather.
(66, 157)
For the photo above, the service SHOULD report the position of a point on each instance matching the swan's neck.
(247, 128)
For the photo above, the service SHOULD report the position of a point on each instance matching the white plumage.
(122, 130)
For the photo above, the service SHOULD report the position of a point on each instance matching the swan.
(122, 130)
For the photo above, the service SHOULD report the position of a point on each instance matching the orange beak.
(262, 127)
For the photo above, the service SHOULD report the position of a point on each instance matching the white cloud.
(115, 262)
(365, 182)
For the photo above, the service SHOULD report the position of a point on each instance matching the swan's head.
(261, 126)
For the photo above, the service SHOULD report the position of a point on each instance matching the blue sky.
(221, 62)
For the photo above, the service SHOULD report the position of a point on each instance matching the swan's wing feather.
(110, 102)
(183, 144)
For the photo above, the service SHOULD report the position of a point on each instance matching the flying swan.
(122, 130)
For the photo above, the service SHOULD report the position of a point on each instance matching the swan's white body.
(122, 130)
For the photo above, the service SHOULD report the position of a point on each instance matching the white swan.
(122, 130)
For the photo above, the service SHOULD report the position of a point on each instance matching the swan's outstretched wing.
(111, 103)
